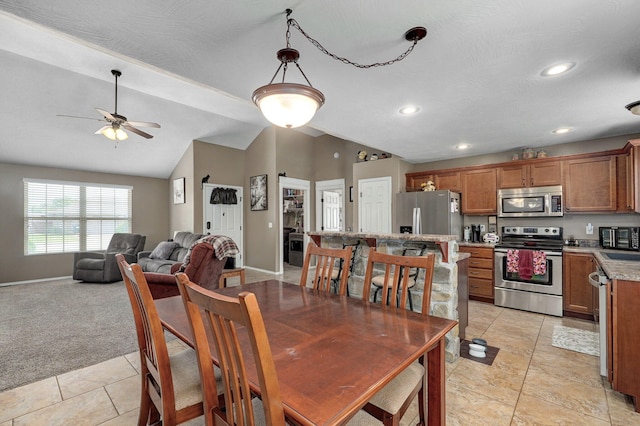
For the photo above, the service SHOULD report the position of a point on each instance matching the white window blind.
(64, 217)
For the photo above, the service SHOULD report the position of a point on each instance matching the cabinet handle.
(475, 263)
(531, 181)
(523, 182)
(473, 273)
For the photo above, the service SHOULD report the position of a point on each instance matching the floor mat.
(574, 339)
(488, 360)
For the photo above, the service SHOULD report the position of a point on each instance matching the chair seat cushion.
(395, 393)
(92, 264)
(378, 281)
(186, 378)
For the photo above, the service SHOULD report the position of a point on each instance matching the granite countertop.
(470, 244)
(615, 269)
(389, 236)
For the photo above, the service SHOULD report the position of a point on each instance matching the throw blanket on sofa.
(223, 246)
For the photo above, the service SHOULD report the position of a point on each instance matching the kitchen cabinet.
(479, 191)
(539, 173)
(578, 294)
(480, 272)
(590, 185)
(628, 181)
(623, 344)
(448, 180)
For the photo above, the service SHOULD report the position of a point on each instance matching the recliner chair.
(102, 266)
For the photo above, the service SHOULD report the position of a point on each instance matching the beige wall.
(224, 166)
(260, 240)
(182, 215)
(149, 209)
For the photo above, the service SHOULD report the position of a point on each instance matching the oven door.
(547, 281)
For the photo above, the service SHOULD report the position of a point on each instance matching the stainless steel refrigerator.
(429, 212)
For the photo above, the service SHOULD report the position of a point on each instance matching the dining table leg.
(436, 396)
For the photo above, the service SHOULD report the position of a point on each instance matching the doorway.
(294, 212)
(374, 205)
(224, 215)
(330, 205)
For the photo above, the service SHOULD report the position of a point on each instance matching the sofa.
(101, 266)
(167, 254)
(204, 266)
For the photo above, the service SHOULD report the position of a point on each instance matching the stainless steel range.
(528, 269)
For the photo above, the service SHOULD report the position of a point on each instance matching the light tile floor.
(529, 383)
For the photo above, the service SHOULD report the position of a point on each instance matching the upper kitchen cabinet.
(448, 180)
(590, 184)
(628, 175)
(538, 173)
(479, 191)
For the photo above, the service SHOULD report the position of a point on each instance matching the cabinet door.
(512, 176)
(577, 291)
(590, 185)
(545, 174)
(479, 191)
(450, 181)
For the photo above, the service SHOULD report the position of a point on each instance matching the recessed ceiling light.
(557, 69)
(463, 146)
(562, 130)
(409, 109)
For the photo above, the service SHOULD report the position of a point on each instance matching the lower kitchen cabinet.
(480, 273)
(578, 294)
(623, 343)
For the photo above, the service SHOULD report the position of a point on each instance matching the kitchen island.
(449, 292)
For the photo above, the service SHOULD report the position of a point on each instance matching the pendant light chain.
(292, 22)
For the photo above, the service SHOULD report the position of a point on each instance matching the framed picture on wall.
(178, 191)
(258, 188)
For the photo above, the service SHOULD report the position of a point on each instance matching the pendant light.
(293, 105)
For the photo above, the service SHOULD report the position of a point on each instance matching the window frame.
(73, 216)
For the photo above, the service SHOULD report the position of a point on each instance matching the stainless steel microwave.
(530, 202)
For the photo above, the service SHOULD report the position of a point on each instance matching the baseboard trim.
(35, 281)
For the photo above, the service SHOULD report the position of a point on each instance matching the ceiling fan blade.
(99, 131)
(143, 124)
(137, 132)
(75, 116)
(106, 114)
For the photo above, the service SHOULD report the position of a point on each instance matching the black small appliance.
(620, 237)
(475, 234)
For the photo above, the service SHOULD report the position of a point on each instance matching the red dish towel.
(525, 264)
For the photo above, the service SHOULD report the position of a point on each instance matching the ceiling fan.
(114, 130)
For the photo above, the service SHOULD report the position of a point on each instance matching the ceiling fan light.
(121, 134)
(114, 133)
(288, 105)
(634, 107)
(109, 132)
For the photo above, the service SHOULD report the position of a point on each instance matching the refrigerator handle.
(417, 221)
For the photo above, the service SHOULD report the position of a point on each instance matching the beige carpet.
(52, 327)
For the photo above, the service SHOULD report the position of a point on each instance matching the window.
(61, 217)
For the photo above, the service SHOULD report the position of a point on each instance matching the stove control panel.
(533, 231)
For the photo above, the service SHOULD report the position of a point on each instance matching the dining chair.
(337, 274)
(390, 404)
(411, 249)
(229, 318)
(171, 392)
(327, 261)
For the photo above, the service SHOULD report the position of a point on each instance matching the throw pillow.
(163, 250)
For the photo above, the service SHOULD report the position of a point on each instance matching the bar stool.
(411, 249)
(337, 274)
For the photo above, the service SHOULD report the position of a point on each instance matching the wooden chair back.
(397, 270)
(158, 396)
(232, 320)
(328, 260)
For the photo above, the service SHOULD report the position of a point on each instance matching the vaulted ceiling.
(192, 67)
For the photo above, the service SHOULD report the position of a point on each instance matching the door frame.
(240, 196)
(388, 181)
(329, 185)
(293, 183)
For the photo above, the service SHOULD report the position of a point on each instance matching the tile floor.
(529, 383)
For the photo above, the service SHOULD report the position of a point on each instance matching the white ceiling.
(192, 67)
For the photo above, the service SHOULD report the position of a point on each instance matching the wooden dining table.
(333, 353)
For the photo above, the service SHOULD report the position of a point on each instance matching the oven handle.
(547, 253)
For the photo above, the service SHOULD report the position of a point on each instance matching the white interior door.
(330, 207)
(224, 219)
(374, 205)
(331, 211)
